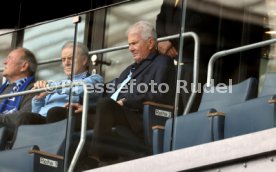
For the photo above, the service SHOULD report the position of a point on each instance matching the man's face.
(13, 64)
(80, 62)
(139, 48)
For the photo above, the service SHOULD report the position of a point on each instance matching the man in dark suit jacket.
(19, 70)
(148, 76)
(168, 22)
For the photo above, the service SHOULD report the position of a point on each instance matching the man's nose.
(67, 61)
(130, 47)
(5, 61)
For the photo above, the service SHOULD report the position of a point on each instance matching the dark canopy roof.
(18, 14)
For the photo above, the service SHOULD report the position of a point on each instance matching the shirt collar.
(81, 75)
(17, 81)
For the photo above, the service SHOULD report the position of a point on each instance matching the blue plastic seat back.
(48, 137)
(251, 116)
(269, 85)
(152, 116)
(193, 129)
(17, 160)
(234, 94)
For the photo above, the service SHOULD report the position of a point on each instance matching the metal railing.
(233, 51)
(84, 114)
(42, 62)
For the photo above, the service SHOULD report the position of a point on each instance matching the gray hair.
(146, 29)
(30, 58)
(81, 48)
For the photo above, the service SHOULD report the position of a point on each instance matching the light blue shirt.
(60, 97)
(116, 94)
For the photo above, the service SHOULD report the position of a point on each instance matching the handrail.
(83, 130)
(84, 113)
(106, 50)
(195, 71)
(33, 91)
(42, 62)
(233, 51)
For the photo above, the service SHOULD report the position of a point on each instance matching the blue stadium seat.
(193, 129)
(241, 92)
(155, 114)
(48, 137)
(30, 139)
(269, 85)
(251, 116)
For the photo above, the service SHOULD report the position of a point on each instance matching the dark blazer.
(168, 22)
(13, 120)
(158, 69)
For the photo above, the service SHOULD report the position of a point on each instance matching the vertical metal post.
(83, 129)
(179, 66)
(75, 20)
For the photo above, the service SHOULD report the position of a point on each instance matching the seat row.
(231, 114)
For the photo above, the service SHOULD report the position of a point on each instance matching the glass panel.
(6, 42)
(45, 40)
(222, 25)
(268, 60)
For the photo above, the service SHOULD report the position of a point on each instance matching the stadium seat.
(269, 85)
(48, 137)
(240, 92)
(34, 144)
(194, 129)
(251, 116)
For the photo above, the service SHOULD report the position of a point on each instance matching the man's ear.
(24, 66)
(85, 61)
(151, 43)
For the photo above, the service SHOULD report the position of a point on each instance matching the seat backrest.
(251, 116)
(213, 97)
(3, 138)
(269, 85)
(193, 129)
(152, 116)
(48, 137)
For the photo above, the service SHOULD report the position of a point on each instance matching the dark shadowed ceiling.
(18, 14)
